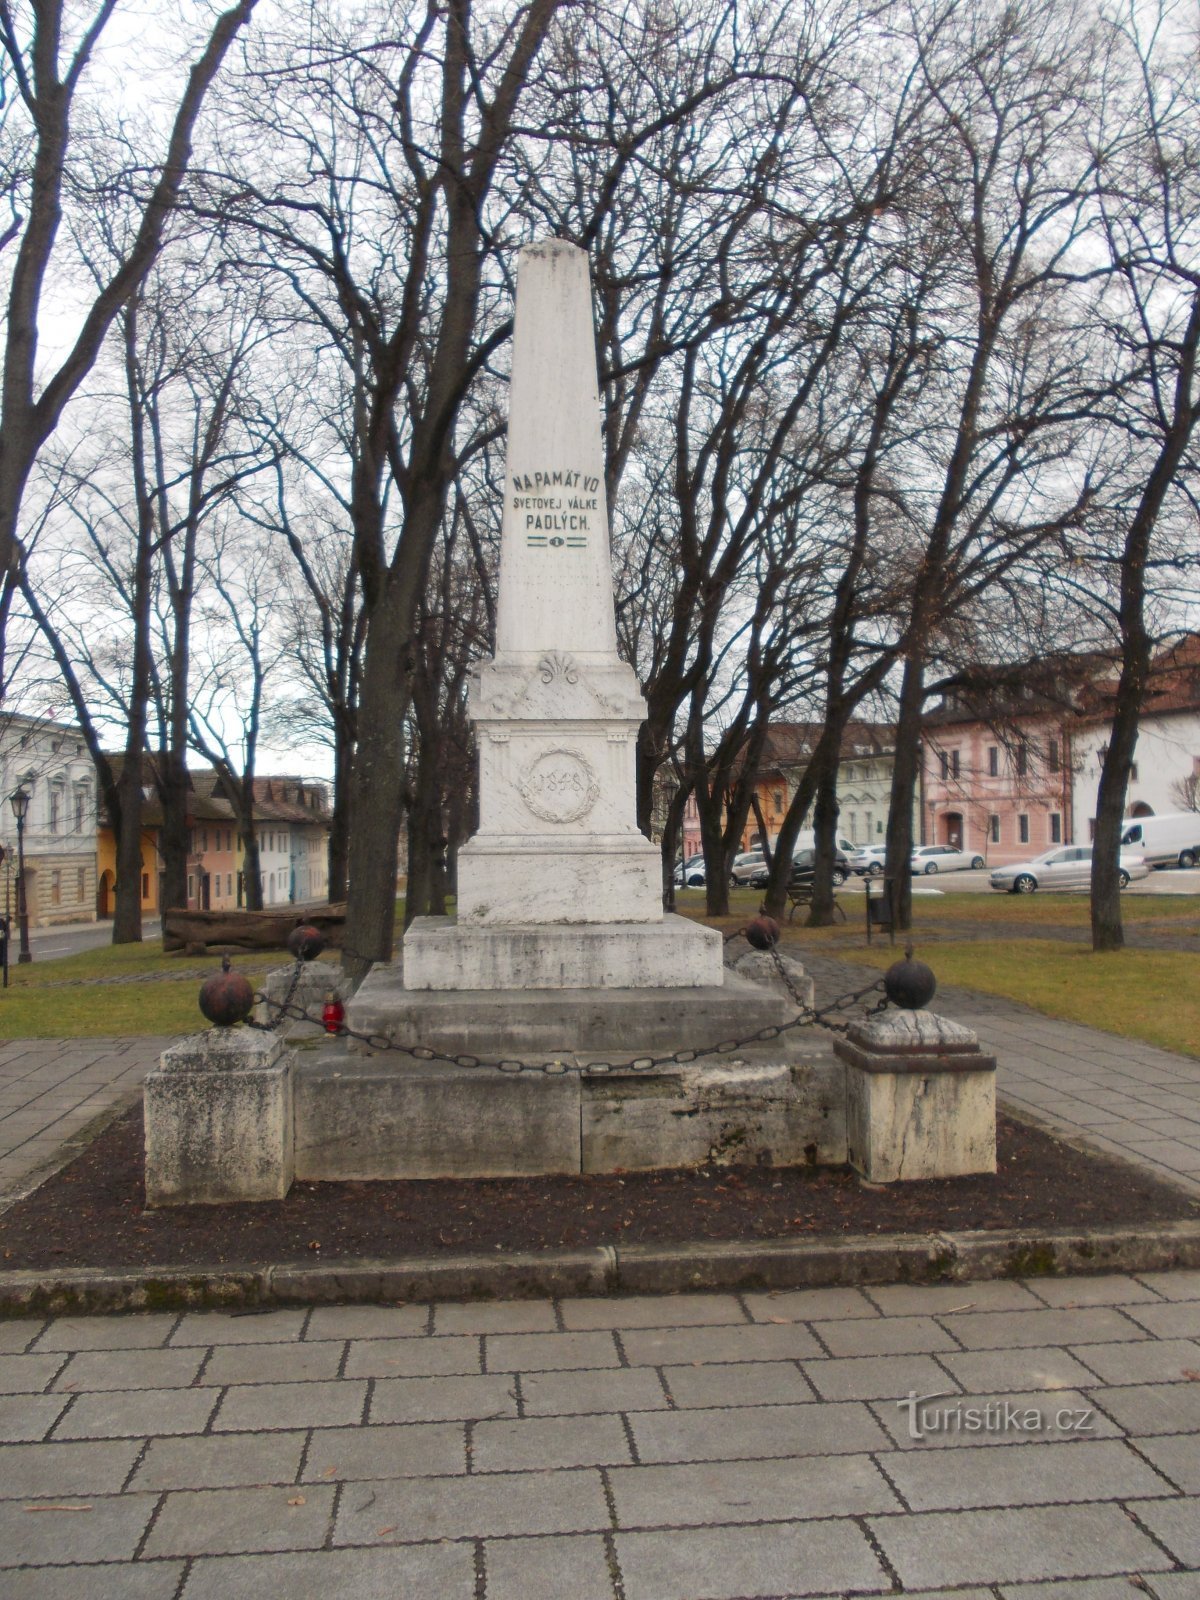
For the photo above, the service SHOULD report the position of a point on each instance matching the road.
(47, 943)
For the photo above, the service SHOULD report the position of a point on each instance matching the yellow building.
(106, 871)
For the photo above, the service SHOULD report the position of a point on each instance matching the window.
(954, 767)
(203, 840)
(191, 886)
(1133, 772)
(993, 761)
(80, 809)
(777, 798)
(55, 808)
(879, 826)
(145, 886)
(994, 829)
(228, 839)
(1023, 828)
(229, 883)
(1022, 759)
(944, 762)
(81, 883)
(1052, 755)
(1055, 828)
(56, 888)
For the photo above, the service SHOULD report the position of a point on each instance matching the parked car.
(803, 868)
(869, 862)
(745, 866)
(1065, 867)
(944, 858)
(1166, 841)
(690, 873)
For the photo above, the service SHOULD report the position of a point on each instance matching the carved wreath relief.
(559, 785)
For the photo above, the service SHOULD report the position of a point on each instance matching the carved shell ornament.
(558, 666)
(559, 785)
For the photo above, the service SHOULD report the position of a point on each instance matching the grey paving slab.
(105, 1528)
(652, 1311)
(127, 1369)
(1177, 1585)
(875, 1377)
(1149, 1361)
(994, 1371)
(1177, 1524)
(658, 1347)
(211, 1462)
(368, 1322)
(29, 1416)
(756, 1432)
(18, 1335)
(492, 1505)
(496, 1316)
(141, 1580)
(548, 1568)
(251, 1407)
(32, 1471)
(128, 1414)
(936, 1299)
(1106, 1289)
(400, 1450)
(213, 1522)
(539, 1442)
(887, 1336)
(1011, 1546)
(1180, 1320)
(961, 1421)
(1084, 1589)
(1177, 1456)
(230, 1327)
(749, 1491)
(1005, 1329)
(746, 1383)
(1174, 1285)
(413, 1358)
(808, 1305)
(443, 1399)
(444, 1571)
(1028, 1474)
(545, 1352)
(1149, 1408)
(580, 1393)
(272, 1363)
(106, 1333)
(28, 1374)
(807, 1558)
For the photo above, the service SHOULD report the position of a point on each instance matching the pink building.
(998, 759)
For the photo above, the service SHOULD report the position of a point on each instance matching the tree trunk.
(339, 820)
(127, 909)
(905, 770)
(825, 819)
(251, 875)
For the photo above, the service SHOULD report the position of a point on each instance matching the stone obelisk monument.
(558, 888)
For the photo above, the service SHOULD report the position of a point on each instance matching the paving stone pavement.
(1128, 1099)
(645, 1448)
(51, 1089)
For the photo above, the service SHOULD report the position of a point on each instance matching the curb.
(605, 1270)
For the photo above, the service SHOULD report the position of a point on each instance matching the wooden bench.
(801, 894)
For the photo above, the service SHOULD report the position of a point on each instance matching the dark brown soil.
(93, 1212)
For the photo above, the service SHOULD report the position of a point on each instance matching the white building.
(50, 761)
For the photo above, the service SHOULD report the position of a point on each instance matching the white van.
(806, 839)
(1170, 841)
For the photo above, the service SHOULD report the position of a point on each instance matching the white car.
(745, 866)
(1067, 866)
(944, 858)
(869, 862)
(691, 873)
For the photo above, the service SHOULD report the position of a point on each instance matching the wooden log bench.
(218, 932)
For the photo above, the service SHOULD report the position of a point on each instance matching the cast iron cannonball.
(763, 933)
(909, 984)
(305, 942)
(227, 997)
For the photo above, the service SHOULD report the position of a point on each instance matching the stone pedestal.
(316, 980)
(920, 1098)
(219, 1120)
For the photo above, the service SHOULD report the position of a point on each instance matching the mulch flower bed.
(93, 1212)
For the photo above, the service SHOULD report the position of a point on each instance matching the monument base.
(362, 1118)
(599, 878)
(672, 953)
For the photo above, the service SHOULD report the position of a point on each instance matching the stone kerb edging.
(606, 1270)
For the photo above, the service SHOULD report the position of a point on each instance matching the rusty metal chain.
(806, 1016)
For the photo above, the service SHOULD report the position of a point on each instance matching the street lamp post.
(19, 800)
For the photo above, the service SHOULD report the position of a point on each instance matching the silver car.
(1067, 866)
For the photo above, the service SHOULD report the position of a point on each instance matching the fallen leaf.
(785, 1320)
(329, 1472)
(391, 1528)
(297, 1500)
(1191, 1374)
(967, 1305)
(57, 1508)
